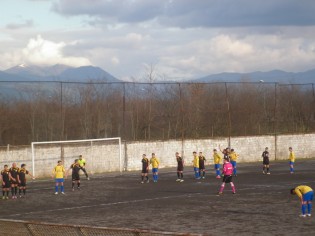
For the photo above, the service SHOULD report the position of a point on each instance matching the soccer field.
(262, 205)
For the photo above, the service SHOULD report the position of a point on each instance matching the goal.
(101, 155)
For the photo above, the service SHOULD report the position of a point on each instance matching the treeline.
(48, 111)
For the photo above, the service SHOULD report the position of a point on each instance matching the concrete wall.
(104, 157)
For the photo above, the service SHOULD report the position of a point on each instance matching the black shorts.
(22, 184)
(145, 171)
(75, 177)
(227, 179)
(6, 185)
(14, 182)
(180, 168)
(266, 162)
(202, 166)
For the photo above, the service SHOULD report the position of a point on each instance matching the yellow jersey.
(292, 156)
(154, 162)
(302, 189)
(82, 162)
(196, 161)
(233, 156)
(216, 158)
(59, 171)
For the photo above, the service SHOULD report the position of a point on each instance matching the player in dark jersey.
(145, 168)
(180, 167)
(14, 171)
(22, 179)
(265, 156)
(75, 167)
(202, 168)
(6, 184)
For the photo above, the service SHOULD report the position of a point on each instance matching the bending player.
(58, 174)
(306, 194)
(145, 168)
(5, 178)
(227, 178)
(217, 161)
(22, 179)
(154, 161)
(75, 173)
(265, 156)
(180, 167)
(82, 163)
(292, 160)
(202, 168)
(14, 171)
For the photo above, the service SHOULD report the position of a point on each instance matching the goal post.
(102, 155)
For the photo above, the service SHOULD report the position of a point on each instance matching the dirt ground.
(261, 206)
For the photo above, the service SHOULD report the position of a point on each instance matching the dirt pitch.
(261, 206)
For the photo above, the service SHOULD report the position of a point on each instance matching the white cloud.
(40, 51)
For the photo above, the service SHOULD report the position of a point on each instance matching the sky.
(174, 39)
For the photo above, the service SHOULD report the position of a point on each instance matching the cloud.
(188, 14)
(41, 51)
(25, 24)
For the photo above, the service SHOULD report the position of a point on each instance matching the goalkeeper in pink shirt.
(227, 172)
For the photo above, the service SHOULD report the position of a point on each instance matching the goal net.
(101, 155)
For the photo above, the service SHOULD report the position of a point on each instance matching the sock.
(72, 184)
(142, 177)
(264, 169)
(15, 191)
(3, 192)
(24, 191)
(291, 169)
(178, 175)
(234, 171)
(181, 175)
(218, 172)
(303, 209)
(233, 187)
(56, 188)
(309, 208)
(61, 188)
(203, 173)
(222, 188)
(267, 169)
(79, 184)
(8, 193)
(157, 177)
(147, 177)
(12, 191)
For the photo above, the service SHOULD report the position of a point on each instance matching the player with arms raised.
(75, 173)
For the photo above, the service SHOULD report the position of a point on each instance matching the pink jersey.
(227, 168)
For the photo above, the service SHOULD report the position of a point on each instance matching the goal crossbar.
(77, 141)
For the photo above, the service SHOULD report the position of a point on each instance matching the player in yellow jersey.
(196, 165)
(306, 194)
(82, 163)
(292, 160)
(58, 173)
(217, 160)
(154, 161)
(233, 157)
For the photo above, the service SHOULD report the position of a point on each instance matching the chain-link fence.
(23, 228)
(47, 111)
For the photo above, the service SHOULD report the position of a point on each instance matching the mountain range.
(91, 73)
(56, 73)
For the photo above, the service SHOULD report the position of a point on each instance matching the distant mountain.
(270, 76)
(56, 73)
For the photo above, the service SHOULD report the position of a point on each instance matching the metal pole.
(275, 120)
(124, 113)
(61, 111)
(229, 114)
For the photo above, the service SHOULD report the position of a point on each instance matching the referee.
(82, 164)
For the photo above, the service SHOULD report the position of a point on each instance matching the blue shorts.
(291, 162)
(233, 163)
(216, 166)
(196, 169)
(154, 170)
(61, 180)
(308, 196)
